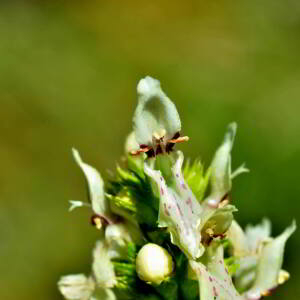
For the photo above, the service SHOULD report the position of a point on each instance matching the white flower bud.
(154, 264)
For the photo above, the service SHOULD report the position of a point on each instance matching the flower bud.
(154, 264)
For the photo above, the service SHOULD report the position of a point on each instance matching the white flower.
(156, 122)
(183, 215)
(259, 257)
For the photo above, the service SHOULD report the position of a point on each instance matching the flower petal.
(238, 239)
(214, 279)
(103, 268)
(269, 265)
(220, 178)
(155, 115)
(96, 186)
(76, 287)
(255, 235)
(179, 210)
(216, 221)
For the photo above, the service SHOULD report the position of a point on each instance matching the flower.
(163, 226)
(190, 222)
(259, 257)
(116, 236)
(156, 122)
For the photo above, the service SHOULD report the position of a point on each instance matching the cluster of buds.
(167, 229)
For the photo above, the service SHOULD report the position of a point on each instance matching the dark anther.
(169, 147)
(150, 153)
(158, 150)
(176, 136)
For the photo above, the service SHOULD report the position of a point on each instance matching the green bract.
(167, 228)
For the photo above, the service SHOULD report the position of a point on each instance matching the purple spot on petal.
(162, 191)
(183, 186)
(210, 279)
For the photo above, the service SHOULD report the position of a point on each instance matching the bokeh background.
(68, 75)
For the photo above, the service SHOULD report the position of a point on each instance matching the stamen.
(159, 145)
(143, 149)
(96, 221)
(179, 140)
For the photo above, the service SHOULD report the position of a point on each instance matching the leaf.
(155, 115)
(196, 179)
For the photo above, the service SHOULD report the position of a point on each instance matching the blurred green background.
(68, 75)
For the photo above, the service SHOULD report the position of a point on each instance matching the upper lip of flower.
(156, 121)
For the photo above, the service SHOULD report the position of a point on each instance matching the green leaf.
(168, 290)
(196, 178)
